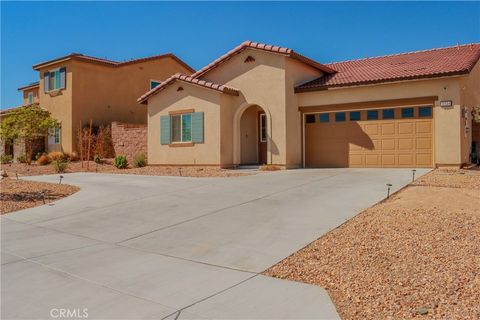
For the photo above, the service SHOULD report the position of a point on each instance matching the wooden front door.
(262, 138)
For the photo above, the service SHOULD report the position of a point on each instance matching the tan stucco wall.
(103, 94)
(447, 127)
(192, 97)
(25, 95)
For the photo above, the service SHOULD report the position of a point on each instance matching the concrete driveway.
(134, 247)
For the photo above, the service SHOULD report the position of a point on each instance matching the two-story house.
(77, 88)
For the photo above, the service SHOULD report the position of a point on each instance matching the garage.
(369, 138)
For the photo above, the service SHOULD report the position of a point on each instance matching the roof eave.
(30, 86)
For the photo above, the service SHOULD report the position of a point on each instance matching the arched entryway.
(253, 135)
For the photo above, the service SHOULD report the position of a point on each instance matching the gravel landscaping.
(20, 194)
(415, 255)
(34, 170)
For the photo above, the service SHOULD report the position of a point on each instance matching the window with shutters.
(30, 97)
(181, 127)
(55, 79)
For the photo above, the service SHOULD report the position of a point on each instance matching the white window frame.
(54, 136)
(261, 126)
(181, 127)
(153, 80)
(30, 97)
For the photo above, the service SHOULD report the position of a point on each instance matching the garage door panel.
(370, 143)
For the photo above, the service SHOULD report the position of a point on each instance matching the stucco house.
(77, 88)
(264, 104)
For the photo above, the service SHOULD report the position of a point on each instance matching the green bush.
(97, 159)
(22, 159)
(6, 158)
(120, 162)
(139, 161)
(60, 165)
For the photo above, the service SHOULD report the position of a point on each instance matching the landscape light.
(388, 190)
(60, 182)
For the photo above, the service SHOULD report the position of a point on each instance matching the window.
(324, 117)
(182, 127)
(54, 136)
(153, 84)
(263, 127)
(310, 118)
(354, 115)
(372, 114)
(425, 111)
(340, 116)
(407, 113)
(55, 79)
(30, 97)
(388, 114)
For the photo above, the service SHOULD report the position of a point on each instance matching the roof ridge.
(404, 53)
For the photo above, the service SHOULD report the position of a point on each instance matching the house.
(264, 104)
(77, 88)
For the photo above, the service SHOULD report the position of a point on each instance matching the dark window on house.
(372, 115)
(425, 111)
(340, 116)
(153, 84)
(310, 118)
(354, 115)
(408, 113)
(324, 117)
(388, 114)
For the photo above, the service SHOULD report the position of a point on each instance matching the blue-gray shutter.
(197, 127)
(46, 81)
(165, 130)
(63, 78)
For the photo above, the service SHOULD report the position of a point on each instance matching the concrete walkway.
(131, 247)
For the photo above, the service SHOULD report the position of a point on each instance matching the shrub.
(270, 167)
(72, 156)
(55, 155)
(44, 160)
(104, 144)
(120, 162)
(60, 165)
(139, 161)
(97, 159)
(6, 158)
(22, 159)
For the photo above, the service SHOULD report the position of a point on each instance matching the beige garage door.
(394, 137)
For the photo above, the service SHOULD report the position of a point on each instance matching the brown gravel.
(20, 194)
(419, 249)
(34, 169)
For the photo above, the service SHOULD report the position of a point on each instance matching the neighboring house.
(77, 88)
(267, 104)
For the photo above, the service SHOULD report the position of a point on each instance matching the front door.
(262, 138)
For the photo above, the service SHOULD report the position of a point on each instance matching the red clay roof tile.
(188, 79)
(432, 63)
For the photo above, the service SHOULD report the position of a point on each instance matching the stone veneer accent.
(129, 139)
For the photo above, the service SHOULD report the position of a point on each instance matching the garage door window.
(355, 116)
(425, 111)
(340, 116)
(324, 117)
(407, 113)
(388, 114)
(310, 118)
(372, 115)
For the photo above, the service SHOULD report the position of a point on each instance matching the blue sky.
(199, 32)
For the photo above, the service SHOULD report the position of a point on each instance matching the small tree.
(476, 114)
(27, 123)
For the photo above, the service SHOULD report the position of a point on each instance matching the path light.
(43, 196)
(388, 190)
(16, 174)
(60, 182)
(413, 174)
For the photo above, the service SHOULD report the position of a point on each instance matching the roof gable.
(432, 63)
(264, 47)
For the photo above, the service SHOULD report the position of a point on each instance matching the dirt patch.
(34, 170)
(414, 255)
(20, 194)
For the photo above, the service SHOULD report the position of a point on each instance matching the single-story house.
(264, 104)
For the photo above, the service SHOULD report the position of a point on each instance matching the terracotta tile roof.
(265, 47)
(29, 86)
(432, 63)
(111, 62)
(6, 111)
(187, 79)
